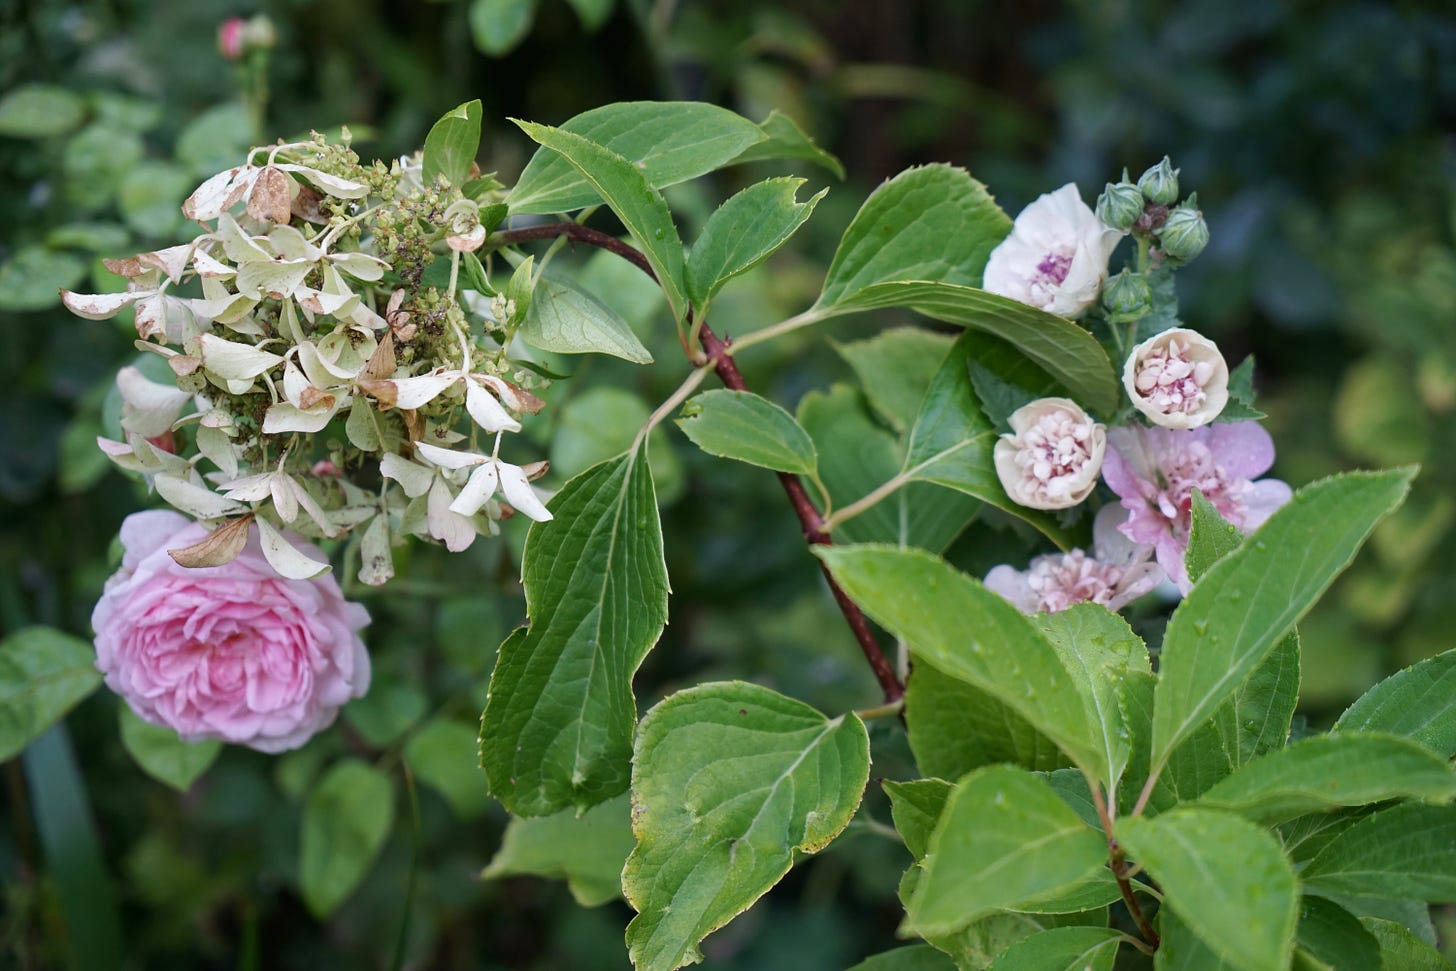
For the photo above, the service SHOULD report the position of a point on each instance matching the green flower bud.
(1127, 297)
(1120, 204)
(1159, 184)
(1184, 234)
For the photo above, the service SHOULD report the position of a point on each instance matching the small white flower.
(1177, 378)
(1053, 455)
(1117, 573)
(1056, 256)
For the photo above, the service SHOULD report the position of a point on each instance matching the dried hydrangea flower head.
(1117, 572)
(1052, 457)
(301, 335)
(1177, 378)
(1056, 256)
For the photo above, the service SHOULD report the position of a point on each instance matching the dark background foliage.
(1318, 136)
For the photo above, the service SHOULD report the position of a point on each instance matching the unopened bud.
(230, 38)
(260, 34)
(1184, 234)
(1159, 184)
(1127, 297)
(1120, 204)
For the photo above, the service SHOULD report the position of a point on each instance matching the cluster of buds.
(1147, 208)
(315, 382)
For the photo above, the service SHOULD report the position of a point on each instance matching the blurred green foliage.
(1318, 137)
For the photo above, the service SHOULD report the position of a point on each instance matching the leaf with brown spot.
(382, 363)
(272, 196)
(222, 545)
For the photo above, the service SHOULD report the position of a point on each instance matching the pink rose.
(233, 652)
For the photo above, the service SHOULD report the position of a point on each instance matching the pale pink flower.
(1155, 470)
(1117, 573)
(1056, 256)
(233, 652)
(1178, 378)
(1052, 456)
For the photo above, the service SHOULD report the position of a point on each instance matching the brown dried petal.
(382, 363)
(222, 545)
(311, 396)
(535, 470)
(306, 205)
(414, 424)
(184, 364)
(382, 391)
(272, 196)
(130, 267)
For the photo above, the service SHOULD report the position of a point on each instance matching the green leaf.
(1063, 949)
(163, 755)
(587, 850)
(557, 730)
(216, 139)
(743, 232)
(1227, 879)
(728, 781)
(952, 444)
(625, 188)
(856, 456)
(969, 633)
(1331, 771)
(784, 139)
(443, 755)
(1334, 935)
(895, 367)
(1181, 950)
(666, 142)
(954, 727)
(1240, 406)
(497, 26)
(929, 223)
(345, 821)
(1418, 702)
(1408, 850)
(979, 943)
(451, 145)
(104, 238)
(566, 319)
(1004, 839)
(43, 674)
(592, 13)
(32, 279)
(40, 111)
(743, 426)
(151, 197)
(1005, 379)
(1210, 538)
(1253, 597)
(1101, 652)
(917, 957)
(1400, 950)
(916, 807)
(1067, 353)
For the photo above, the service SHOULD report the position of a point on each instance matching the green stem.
(689, 385)
(810, 316)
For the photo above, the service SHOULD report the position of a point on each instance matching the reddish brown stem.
(1117, 862)
(724, 366)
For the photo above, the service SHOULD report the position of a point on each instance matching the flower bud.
(1159, 184)
(1127, 297)
(230, 38)
(1120, 204)
(1184, 235)
(259, 34)
(1053, 455)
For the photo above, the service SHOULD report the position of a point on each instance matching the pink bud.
(230, 38)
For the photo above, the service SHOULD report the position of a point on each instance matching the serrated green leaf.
(929, 223)
(666, 141)
(1004, 379)
(1227, 879)
(625, 188)
(1004, 839)
(895, 367)
(497, 26)
(970, 633)
(1400, 950)
(442, 755)
(451, 145)
(1330, 771)
(32, 279)
(1067, 353)
(557, 730)
(916, 806)
(743, 426)
(564, 318)
(1210, 537)
(44, 673)
(1252, 598)
(1418, 702)
(954, 727)
(728, 781)
(1332, 934)
(743, 232)
(1063, 949)
(856, 455)
(979, 943)
(346, 819)
(1240, 405)
(917, 957)
(1408, 850)
(162, 754)
(40, 111)
(784, 139)
(587, 850)
(1181, 950)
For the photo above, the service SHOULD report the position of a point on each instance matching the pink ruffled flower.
(1117, 573)
(1051, 458)
(1155, 470)
(233, 652)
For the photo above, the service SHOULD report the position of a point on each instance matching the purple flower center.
(1053, 269)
